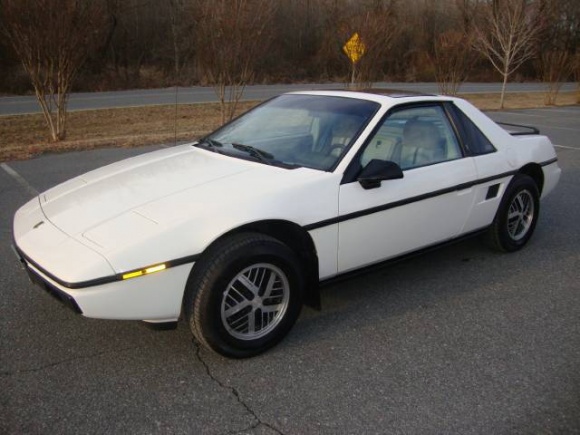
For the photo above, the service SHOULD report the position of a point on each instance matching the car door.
(429, 205)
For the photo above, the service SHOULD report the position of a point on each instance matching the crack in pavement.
(64, 361)
(236, 394)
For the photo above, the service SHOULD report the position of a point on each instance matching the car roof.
(380, 95)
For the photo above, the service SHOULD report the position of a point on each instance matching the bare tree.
(377, 32)
(297, 36)
(374, 22)
(506, 36)
(565, 24)
(452, 60)
(557, 44)
(467, 11)
(52, 38)
(136, 31)
(152, 43)
(181, 26)
(555, 67)
(232, 38)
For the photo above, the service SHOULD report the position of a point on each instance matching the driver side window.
(414, 137)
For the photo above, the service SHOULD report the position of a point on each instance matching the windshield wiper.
(261, 155)
(210, 144)
(258, 154)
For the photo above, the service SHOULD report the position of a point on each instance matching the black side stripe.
(549, 162)
(193, 258)
(103, 280)
(391, 205)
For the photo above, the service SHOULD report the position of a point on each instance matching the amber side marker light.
(147, 271)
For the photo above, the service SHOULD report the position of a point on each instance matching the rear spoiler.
(518, 129)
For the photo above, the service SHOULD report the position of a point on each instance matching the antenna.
(175, 114)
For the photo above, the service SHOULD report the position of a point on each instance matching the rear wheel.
(244, 295)
(517, 215)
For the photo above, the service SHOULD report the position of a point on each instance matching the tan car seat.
(422, 144)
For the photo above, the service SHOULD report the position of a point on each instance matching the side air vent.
(492, 191)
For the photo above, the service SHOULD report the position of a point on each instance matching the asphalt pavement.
(462, 340)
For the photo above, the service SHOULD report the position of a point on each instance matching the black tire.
(251, 273)
(517, 215)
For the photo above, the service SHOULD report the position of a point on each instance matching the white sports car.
(236, 231)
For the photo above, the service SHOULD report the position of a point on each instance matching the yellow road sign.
(354, 48)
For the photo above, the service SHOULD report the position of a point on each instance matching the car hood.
(173, 203)
(98, 196)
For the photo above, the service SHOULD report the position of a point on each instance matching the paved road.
(198, 94)
(459, 341)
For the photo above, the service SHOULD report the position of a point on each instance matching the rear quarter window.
(473, 138)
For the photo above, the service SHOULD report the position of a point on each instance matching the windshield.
(295, 130)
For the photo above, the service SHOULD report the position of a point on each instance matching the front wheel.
(517, 215)
(244, 295)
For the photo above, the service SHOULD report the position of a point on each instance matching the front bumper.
(55, 292)
(155, 298)
(86, 282)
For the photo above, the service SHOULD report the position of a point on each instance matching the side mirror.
(378, 170)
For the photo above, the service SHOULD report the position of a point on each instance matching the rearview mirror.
(378, 170)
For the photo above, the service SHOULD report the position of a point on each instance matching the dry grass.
(518, 100)
(23, 136)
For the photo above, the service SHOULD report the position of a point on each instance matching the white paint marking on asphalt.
(566, 147)
(19, 179)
